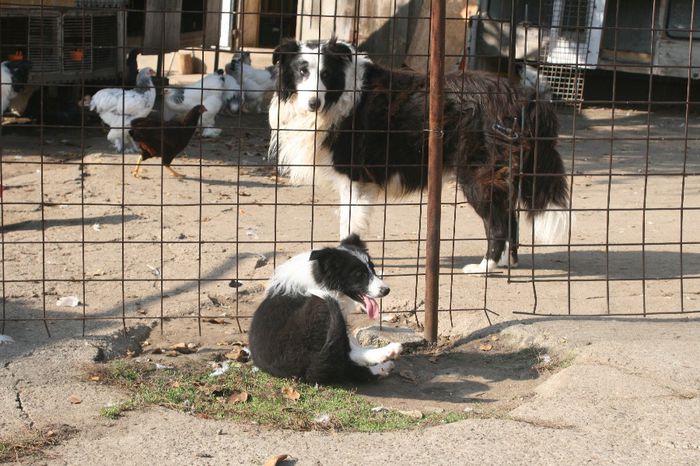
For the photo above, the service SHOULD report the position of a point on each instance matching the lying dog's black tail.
(333, 360)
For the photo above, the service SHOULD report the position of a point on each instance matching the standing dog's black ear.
(339, 50)
(319, 254)
(287, 47)
(354, 241)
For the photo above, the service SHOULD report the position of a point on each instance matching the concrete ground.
(628, 394)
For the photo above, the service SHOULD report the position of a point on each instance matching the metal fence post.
(435, 138)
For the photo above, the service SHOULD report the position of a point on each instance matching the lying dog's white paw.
(383, 369)
(393, 350)
(486, 266)
(6, 339)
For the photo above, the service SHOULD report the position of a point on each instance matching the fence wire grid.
(85, 245)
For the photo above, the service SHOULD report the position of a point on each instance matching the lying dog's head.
(349, 270)
(343, 270)
(315, 74)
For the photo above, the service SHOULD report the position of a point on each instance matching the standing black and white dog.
(299, 329)
(340, 119)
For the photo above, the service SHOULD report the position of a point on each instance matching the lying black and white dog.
(338, 118)
(299, 329)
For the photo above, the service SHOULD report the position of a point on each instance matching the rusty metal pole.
(435, 139)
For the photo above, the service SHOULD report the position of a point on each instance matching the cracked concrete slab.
(627, 393)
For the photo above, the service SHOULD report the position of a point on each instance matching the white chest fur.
(299, 140)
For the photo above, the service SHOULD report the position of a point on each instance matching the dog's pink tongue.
(371, 307)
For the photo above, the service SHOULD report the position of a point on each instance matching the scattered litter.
(68, 301)
(235, 284)
(291, 393)
(255, 369)
(275, 460)
(251, 233)
(74, 400)
(97, 227)
(220, 369)
(95, 378)
(379, 409)
(322, 419)
(6, 339)
(494, 337)
(162, 367)
(154, 270)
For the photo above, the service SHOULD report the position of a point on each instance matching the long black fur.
(385, 135)
(294, 334)
(305, 337)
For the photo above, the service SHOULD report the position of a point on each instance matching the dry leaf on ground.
(238, 397)
(291, 393)
(212, 320)
(485, 347)
(275, 460)
(75, 399)
(238, 353)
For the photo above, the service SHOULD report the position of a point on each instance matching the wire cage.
(86, 246)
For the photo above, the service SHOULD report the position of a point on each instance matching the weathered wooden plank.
(162, 26)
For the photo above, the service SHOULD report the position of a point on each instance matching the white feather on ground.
(214, 91)
(254, 82)
(118, 107)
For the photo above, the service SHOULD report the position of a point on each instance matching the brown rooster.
(164, 139)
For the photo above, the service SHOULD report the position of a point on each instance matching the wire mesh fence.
(86, 245)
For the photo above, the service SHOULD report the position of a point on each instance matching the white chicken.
(254, 82)
(117, 107)
(13, 77)
(215, 91)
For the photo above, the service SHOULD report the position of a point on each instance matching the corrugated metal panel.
(43, 49)
(77, 43)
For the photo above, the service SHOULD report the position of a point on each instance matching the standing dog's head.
(316, 74)
(343, 270)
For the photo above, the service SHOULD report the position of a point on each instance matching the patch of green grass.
(191, 389)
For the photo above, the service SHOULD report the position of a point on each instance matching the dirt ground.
(231, 219)
(161, 253)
